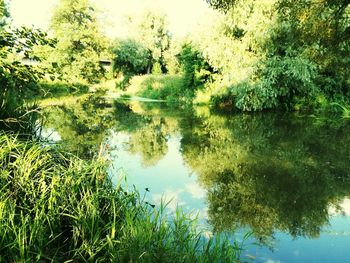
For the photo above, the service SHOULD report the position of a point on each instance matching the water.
(284, 177)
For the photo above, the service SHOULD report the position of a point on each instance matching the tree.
(130, 57)
(152, 31)
(80, 42)
(223, 5)
(275, 53)
(320, 31)
(195, 68)
(4, 14)
(17, 80)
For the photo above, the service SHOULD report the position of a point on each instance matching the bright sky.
(183, 14)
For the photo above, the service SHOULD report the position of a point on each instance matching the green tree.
(152, 31)
(275, 53)
(195, 68)
(80, 42)
(17, 81)
(320, 31)
(130, 58)
(223, 5)
(4, 14)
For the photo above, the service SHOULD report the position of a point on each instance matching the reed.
(55, 207)
(343, 108)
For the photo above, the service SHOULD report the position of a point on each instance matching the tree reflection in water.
(268, 172)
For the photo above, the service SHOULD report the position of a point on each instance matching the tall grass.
(58, 88)
(343, 108)
(56, 207)
(170, 88)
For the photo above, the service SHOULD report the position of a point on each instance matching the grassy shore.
(56, 207)
(169, 88)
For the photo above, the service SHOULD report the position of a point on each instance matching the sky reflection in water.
(283, 176)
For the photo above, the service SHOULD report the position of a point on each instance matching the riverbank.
(57, 207)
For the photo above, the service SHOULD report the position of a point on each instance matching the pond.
(284, 177)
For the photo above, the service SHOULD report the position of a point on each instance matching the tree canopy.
(274, 54)
(151, 29)
(130, 57)
(17, 80)
(80, 43)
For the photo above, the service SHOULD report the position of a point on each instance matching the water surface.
(283, 177)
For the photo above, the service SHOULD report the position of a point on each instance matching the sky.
(183, 15)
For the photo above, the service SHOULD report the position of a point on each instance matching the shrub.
(161, 87)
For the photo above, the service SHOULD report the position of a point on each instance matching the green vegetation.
(16, 80)
(196, 70)
(80, 44)
(271, 54)
(130, 58)
(146, 51)
(57, 88)
(283, 53)
(56, 207)
(58, 203)
(170, 88)
(151, 30)
(306, 172)
(255, 55)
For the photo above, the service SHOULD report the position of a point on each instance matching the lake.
(283, 177)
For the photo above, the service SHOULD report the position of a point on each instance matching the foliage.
(156, 69)
(161, 87)
(130, 57)
(294, 77)
(152, 31)
(271, 54)
(291, 192)
(16, 79)
(80, 43)
(196, 70)
(223, 5)
(344, 109)
(49, 89)
(56, 207)
(170, 57)
(4, 14)
(321, 32)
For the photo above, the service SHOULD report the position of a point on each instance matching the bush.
(278, 82)
(161, 87)
(16, 79)
(156, 69)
